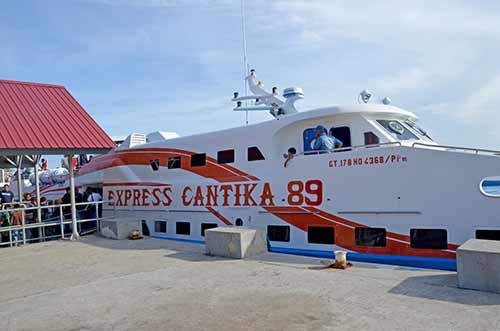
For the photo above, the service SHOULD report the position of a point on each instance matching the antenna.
(245, 64)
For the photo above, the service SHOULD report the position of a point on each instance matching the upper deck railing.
(476, 151)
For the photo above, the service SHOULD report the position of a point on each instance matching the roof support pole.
(19, 179)
(75, 234)
(37, 185)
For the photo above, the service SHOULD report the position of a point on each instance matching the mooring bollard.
(341, 259)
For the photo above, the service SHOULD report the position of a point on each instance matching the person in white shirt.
(93, 197)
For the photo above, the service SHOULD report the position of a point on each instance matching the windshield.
(397, 130)
(418, 129)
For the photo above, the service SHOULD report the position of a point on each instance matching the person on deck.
(44, 164)
(324, 142)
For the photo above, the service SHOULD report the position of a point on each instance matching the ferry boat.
(390, 194)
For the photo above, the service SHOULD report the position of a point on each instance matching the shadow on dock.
(444, 288)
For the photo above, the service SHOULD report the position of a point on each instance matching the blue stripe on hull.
(407, 261)
(180, 239)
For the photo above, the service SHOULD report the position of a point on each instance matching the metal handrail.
(350, 148)
(458, 148)
(54, 221)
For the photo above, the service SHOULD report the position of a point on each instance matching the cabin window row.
(200, 160)
(183, 228)
(371, 237)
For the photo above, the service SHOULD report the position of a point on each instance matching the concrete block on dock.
(478, 265)
(235, 242)
(119, 228)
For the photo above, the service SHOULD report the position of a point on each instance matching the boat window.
(343, 134)
(206, 226)
(418, 129)
(174, 162)
(488, 234)
(226, 156)
(490, 187)
(321, 235)
(278, 233)
(309, 136)
(397, 130)
(254, 154)
(183, 228)
(161, 226)
(375, 237)
(239, 222)
(155, 165)
(371, 138)
(198, 160)
(428, 238)
(145, 228)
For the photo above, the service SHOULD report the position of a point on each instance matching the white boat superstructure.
(390, 194)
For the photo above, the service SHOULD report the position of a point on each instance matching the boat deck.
(152, 284)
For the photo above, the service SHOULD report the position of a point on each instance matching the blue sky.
(147, 65)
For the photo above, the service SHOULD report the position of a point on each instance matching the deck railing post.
(23, 222)
(61, 218)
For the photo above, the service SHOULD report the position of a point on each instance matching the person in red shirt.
(44, 164)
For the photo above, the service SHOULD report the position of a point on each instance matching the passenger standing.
(93, 197)
(44, 164)
(325, 143)
(5, 222)
(7, 195)
(66, 199)
(17, 216)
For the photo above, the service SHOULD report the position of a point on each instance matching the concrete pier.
(102, 284)
(234, 242)
(478, 265)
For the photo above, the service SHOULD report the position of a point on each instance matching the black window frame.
(313, 232)
(206, 226)
(155, 164)
(199, 160)
(424, 243)
(274, 234)
(183, 223)
(488, 234)
(258, 153)
(226, 156)
(174, 162)
(157, 222)
(365, 135)
(368, 237)
(339, 133)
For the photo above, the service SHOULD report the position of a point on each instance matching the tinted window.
(226, 156)
(198, 160)
(206, 226)
(239, 222)
(343, 134)
(371, 138)
(397, 130)
(370, 237)
(254, 154)
(309, 135)
(491, 186)
(428, 238)
(161, 226)
(321, 235)
(155, 165)
(488, 234)
(174, 162)
(278, 233)
(183, 228)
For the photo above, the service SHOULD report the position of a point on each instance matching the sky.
(172, 65)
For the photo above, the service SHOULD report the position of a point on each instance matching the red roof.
(43, 116)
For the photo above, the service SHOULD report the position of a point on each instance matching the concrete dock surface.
(152, 284)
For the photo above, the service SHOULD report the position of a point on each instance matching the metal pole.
(37, 189)
(19, 178)
(23, 223)
(61, 218)
(74, 235)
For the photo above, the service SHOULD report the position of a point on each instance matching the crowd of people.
(12, 213)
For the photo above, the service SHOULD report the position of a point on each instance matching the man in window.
(324, 142)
